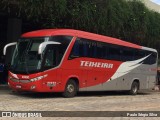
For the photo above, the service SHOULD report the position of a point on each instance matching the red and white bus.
(68, 61)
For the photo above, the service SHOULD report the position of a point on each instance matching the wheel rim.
(70, 88)
(135, 89)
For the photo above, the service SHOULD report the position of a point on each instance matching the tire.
(134, 88)
(70, 89)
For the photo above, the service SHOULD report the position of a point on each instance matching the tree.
(128, 20)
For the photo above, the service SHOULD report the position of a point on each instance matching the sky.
(156, 1)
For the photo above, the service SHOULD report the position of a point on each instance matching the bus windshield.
(26, 59)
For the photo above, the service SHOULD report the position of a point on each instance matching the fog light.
(33, 87)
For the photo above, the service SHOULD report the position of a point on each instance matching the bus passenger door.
(50, 61)
(72, 69)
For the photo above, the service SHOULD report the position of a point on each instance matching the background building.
(152, 5)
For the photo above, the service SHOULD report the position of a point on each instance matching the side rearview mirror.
(43, 45)
(8, 45)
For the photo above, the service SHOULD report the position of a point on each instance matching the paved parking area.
(86, 101)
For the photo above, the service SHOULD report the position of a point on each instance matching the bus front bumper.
(31, 86)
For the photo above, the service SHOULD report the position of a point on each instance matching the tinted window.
(53, 54)
(114, 52)
(101, 50)
(64, 40)
(139, 54)
(88, 48)
(127, 54)
(151, 59)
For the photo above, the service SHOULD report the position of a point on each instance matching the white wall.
(153, 6)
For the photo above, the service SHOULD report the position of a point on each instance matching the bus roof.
(82, 34)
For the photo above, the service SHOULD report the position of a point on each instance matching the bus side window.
(75, 50)
(114, 53)
(84, 48)
(127, 54)
(79, 49)
(51, 57)
(94, 50)
(152, 59)
(100, 50)
(106, 52)
(139, 54)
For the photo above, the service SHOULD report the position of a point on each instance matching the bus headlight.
(37, 78)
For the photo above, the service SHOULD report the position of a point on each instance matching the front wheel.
(70, 89)
(134, 88)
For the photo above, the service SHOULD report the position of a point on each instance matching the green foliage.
(129, 20)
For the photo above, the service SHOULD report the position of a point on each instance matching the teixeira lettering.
(96, 64)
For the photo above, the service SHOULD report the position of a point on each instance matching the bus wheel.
(134, 88)
(70, 89)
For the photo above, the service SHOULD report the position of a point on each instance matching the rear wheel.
(134, 88)
(70, 89)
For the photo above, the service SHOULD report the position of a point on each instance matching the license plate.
(18, 86)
